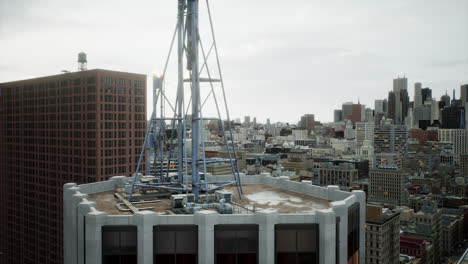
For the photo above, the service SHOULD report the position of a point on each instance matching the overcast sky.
(280, 59)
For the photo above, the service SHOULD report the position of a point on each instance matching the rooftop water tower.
(82, 61)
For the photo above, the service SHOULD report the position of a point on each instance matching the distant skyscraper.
(426, 94)
(379, 106)
(417, 95)
(75, 127)
(247, 121)
(347, 110)
(464, 94)
(446, 99)
(400, 88)
(337, 115)
(391, 105)
(308, 122)
(453, 117)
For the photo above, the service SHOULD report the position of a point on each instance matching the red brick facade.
(75, 127)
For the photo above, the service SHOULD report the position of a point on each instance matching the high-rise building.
(400, 88)
(247, 121)
(308, 122)
(82, 127)
(347, 110)
(417, 95)
(364, 131)
(391, 105)
(453, 117)
(446, 99)
(388, 186)
(464, 94)
(215, 232)
(390, 140)
(426, 94)
(382, 235)
(379, 106)
(337, 115)
(459, 139)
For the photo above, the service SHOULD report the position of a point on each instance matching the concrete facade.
(82, 242)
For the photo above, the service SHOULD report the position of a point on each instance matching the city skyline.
(304, 47)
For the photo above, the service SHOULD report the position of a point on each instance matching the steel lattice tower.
(164, 130)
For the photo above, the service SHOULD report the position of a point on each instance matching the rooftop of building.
(260, 192)
(255, 197)
(65, 74)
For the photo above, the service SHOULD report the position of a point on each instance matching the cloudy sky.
(280, 59)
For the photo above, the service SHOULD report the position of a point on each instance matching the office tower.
(435, 113)
(421, 113)
(453, 117)
(337, 115)
(391, 111)
(247, 121)
(385, 106)
(400, 88)
(368, 115)
(390, 139)
(388, 186)
(347, 109)
(458, 137)
(364, 131)
(464, 94)
(382, 235)
(82, 127)
(308, 122)
(330, 229)
(389, 146)
(254, 122)
(446, 99)
(417, 95)
(343, 174)
(426, 94)
(379, 106)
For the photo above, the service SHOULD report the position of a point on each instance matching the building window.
(236, 244)
(296, 243)
(175, 244)
(353, 234)
(119, 244)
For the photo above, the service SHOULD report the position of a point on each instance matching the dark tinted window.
(119, 244)
(353, 233)
(175, 244)
(297, 243)
(236, 244)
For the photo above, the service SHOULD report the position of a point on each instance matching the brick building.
(75, 127)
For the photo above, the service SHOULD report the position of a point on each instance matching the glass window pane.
(306, 241)
(307, 258)
(128, 239)
(285, 240)
(247, 241)
(226, 258)
(286, 258)
(164, 242)
(110, 239)
(186, 242)
(225, 241)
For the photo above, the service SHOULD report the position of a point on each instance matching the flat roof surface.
(283, 201)
(256, 196)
